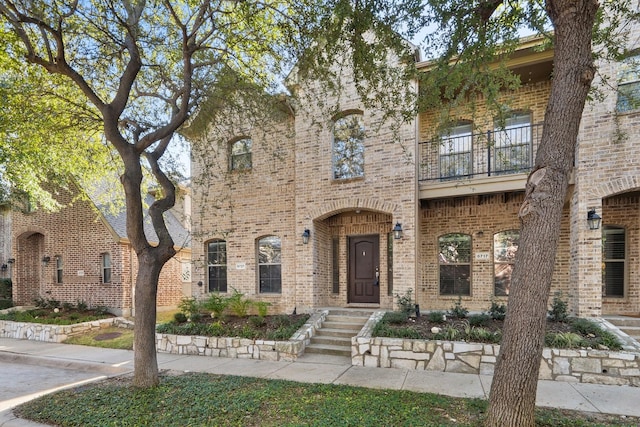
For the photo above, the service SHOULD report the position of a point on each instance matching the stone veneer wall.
(586, 366)
(56, 333)
(241, 348)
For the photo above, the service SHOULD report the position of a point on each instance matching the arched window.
(105, 262)
(348, 147)
(454, 258)
(614, 259)
(505, 246)
(455, 151)
(240, 158)
(269, 265)
(217, 265)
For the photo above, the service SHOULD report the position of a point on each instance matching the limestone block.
(581, 364)
(604, 379)
(561, 366)
(488, 359)
(634, 372)
(183, 339)
(408, 355)
(567, 379)
(419, 346)
(461, 347)
(545, 371)
(459, 367)
(449, 356)
(268, 355)
(487, 368)
(437, 362)
(370, 361)
(403, 364)
(622, 356)
(613, 363)
(471, 360)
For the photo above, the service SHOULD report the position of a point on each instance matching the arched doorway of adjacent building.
(28, 272)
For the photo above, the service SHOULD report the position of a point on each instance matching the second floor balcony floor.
(465, 162)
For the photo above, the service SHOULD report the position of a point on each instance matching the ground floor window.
(335, 264)
(269, 265)
(454, 258)
(217, 265)
(505, 246)
(106, 267)
(613, 259)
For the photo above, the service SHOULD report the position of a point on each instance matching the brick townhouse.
(81, 253)
(320, 209)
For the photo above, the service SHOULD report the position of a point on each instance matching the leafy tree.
(139, 70)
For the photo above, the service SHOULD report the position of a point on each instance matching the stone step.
(333, 350)
(342, 325)
(331, 340)
(347, 319)
(632, 331)
(621, 321)
(350, 313)
(343, 333)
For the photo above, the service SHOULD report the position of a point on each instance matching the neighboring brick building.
(344, 181)
(81, 253)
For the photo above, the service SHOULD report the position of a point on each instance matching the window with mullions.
(629, 85)
(455, 151)
(348, 147)
(613, 258)
(454, 258)
(505, 246)
(217, 265)
(106, 267)
(512, 144)
(269, 265)
(241, 154)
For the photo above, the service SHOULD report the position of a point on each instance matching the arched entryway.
(28, 271)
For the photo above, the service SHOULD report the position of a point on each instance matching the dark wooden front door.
(364, 269)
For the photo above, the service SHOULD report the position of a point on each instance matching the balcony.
(480, 163)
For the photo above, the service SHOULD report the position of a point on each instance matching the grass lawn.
(211, 400)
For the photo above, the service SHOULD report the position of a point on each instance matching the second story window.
(455, 151)
(348, 147)
(629, 85)
(106, 268)
(217, 265)
(454, 257)
(512, 144)
(241, 154)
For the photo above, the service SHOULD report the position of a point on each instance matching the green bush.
(257, 321)
(262, 307)
(479, 319)
(5, 303)
(406, 303)
(458, 311)
(216, 304)
(238, 304)
(180, 317)
(437, 317)
(395, 317)
(82, 306)
(559, 308)
(497, 311)
(189, 306)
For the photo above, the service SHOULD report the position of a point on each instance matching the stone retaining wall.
(56, 333)
(242, 348)
(586, 366)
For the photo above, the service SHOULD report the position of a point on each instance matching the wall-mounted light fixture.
(45, 260)
(593, 219)
(305, 236)
(4, 267)
(397, 231)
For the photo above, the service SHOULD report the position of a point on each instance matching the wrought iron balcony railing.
(496, 152)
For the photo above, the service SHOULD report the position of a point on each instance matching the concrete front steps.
(334, 336)
(628, 325)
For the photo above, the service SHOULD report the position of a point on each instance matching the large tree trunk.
(144, 356)
(513, 392)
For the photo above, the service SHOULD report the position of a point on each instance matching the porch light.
(593, 219)
(397, 231)
(4, 267)
(45, 260)
(305, 236)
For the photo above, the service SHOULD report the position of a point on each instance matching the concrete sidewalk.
(98, 363)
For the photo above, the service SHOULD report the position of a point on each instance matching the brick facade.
(78, 235)
(290, 188)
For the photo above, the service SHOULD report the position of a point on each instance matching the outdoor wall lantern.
(397, 231)
(593, 219)
(4, 267)
(305, 236)
(45, 260)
